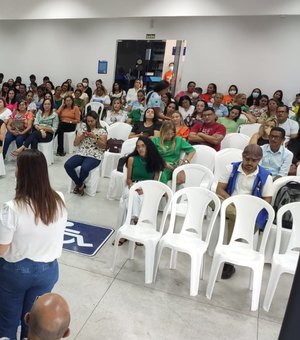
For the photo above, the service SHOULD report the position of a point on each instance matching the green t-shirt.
(170, 155)
(139, 171)
(244, 108)
(231, 125)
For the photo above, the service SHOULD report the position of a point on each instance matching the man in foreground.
(244, 178)
(49, 318)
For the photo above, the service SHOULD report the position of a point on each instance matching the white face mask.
(232, 92)
(171, 68)
(85, 84)
(255, 95)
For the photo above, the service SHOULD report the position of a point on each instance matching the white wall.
(248, 51)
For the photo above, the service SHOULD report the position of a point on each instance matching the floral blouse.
(88, 146)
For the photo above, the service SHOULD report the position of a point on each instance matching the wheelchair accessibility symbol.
(84, 238)
(76, 237)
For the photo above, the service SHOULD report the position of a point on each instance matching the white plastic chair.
(284, 262)
(91, 183)
(110, 160)
(204, 155)
(196, 175)
(241, 248)
(145, 231)
(117, 180)
(249, 129)
(190, 239)
(222, 159)
(298, 170)
(94, 106)
(2, 166)
(235, 140)
(48, 150)
(69, 141)
(286, 233)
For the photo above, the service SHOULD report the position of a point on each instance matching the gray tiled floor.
(119, 305)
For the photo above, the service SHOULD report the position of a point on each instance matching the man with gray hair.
(49, 318)
(245, 178)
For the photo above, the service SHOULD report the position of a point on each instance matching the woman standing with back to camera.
(31, 239)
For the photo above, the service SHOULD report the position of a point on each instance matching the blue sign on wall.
(85, 239)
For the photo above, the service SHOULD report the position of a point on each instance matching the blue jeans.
(9, 137)
(20, 284)
(86, 165)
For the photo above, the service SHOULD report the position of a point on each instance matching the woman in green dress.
(144, 163)
(233, 121)
(170, 148)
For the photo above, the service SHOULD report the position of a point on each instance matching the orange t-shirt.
(227, 99)
(168, 76)
(70, 115)
(183, 132)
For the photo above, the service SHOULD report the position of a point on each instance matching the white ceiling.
(80, 9)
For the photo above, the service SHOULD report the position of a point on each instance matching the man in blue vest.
(247, 178)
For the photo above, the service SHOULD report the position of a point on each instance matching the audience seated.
(278, 95)
(252, 99)
(170, 148)
(153, 99)
(232, 92)
(290, 126)
(84, 96)
(208, 132)
(240, 100)
(190, 91)
(69, 116)
(5, 114)
(86, 88)
(117, 92)
(247, 178)
(18, 127)
(262, 136)
(116, 114)
(136, 108)
(210, 92)
(100, 96)
(31, 106)
(170, 109)
(149, 127)
(11, 102)
(91, 141)
(261, 106)
(181, 129)
(144, 163)
(220, 109)
(277, 159)
(49, 318)
(132, 92)
(185, 106)
(233, 121)
(45, 125)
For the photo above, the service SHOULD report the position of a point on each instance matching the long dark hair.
(154, 120)
(154, 161)
(33, 187)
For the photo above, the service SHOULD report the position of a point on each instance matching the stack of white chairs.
(190, 239)
(146, 230)
(284, 261)
(110, 160)
(241, 249)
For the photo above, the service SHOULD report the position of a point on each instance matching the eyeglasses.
(207, 115)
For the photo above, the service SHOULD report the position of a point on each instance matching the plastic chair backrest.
(197, 199)
(249, 129)
(280, 182)
(195, 175)
(119, 130)
(95, 106)
(205, 155)
(128, 146)
(247, 208)
(294, 242)
(226, 157)
(235, 140)
(153, 191)
(104, 124)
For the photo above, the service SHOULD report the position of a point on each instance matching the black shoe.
(228, 271)
(62, 154)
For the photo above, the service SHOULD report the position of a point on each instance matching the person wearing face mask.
(252, 99)
(232, 91)
(168, 76)
(86, 88)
